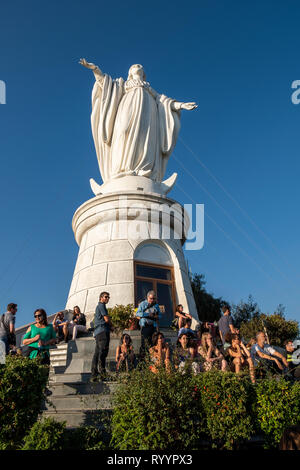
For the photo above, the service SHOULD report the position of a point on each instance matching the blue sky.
(237, 60)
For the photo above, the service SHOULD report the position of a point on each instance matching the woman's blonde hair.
(203, 341)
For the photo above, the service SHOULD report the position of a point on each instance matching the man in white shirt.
(264, 353)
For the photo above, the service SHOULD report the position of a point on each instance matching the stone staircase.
(58, 356)
(74, 399)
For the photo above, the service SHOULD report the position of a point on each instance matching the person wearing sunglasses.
(39, 337)
(61, 326)
(103, 327)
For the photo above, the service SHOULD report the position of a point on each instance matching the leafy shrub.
(22, 386)
(84, 438)
(156, 411)
(121, 316)
(277, 407)
(180, 411)
(227, 401)
(47, 434)
(208, 306)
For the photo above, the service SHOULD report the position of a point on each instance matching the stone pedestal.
(113, 231)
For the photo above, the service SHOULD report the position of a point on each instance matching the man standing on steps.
(7, 327)
(225, 323)
(103, 326)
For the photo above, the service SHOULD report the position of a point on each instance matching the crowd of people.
(201, 348)
(40, 335)
(208, 346)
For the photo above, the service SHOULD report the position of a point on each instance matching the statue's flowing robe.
(134, 129)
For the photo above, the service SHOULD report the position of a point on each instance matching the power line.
(232, 241)
(229, 195)
(233, 221)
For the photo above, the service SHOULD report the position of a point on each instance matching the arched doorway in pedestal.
(153, 270)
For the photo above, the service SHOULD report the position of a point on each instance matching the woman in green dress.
(39, 337)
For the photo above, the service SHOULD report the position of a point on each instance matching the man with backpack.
(7, 327)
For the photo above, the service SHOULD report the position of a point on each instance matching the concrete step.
(71, 377)
(58, 352)
(58, 355)
(74, 419)
(79, 402)
(58, 363)
(58, 347)
(87, 345)
(76, 377)
(83, 364)
(75, 388)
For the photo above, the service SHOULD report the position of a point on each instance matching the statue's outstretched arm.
(89, 65)
(177, 105)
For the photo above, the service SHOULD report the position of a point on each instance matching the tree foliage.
(22, 390)
(156, 411)
(214, 409)
(277, 407)
(277, 327)
(47, 434)
(121, 315)
(244, 311)
(250, 320)
(227, 401)
(208, 306)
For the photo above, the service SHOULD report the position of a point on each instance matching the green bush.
(227, 401)
(156, 411)
(47, 434)
(277, 407)
(84, 438)
(213, 409)
(22, 387)
(121, 316)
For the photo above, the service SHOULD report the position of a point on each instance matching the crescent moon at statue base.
(134, 183)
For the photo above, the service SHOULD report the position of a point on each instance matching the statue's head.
(136, 71)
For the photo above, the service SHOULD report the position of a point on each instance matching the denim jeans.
(5, 341)
(146, 338)
(3, 350)
(101, 352)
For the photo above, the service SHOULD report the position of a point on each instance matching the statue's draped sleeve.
(169, 125)
(106, 96)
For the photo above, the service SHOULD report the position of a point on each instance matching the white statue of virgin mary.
(134, 128)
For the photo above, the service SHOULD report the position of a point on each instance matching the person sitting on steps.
(240, 356)
(181, 316)
(149, 314)
(211, 354)
(159, 353)
(186, 329)
(125, 357)
(60, 325)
